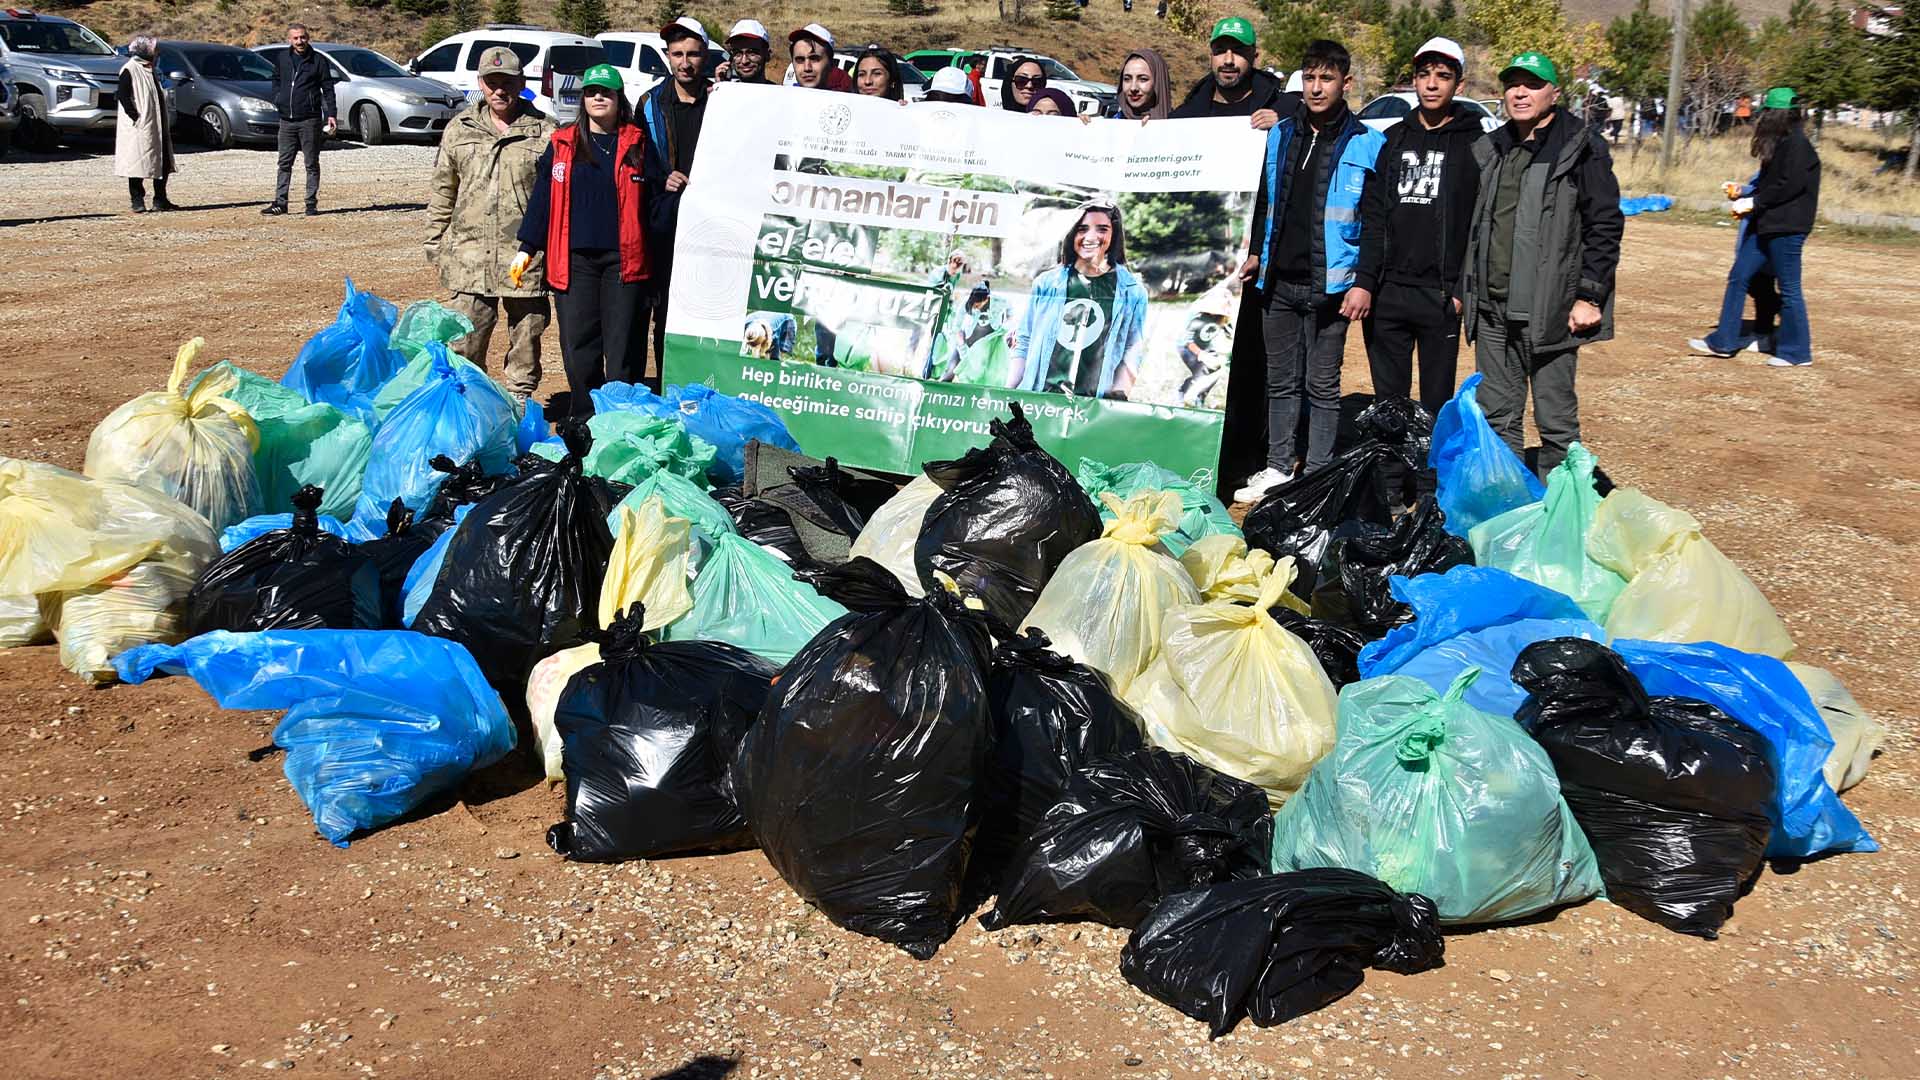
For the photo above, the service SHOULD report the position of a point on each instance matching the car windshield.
(1386, 108)
(911, 74)
(52, 38)
(1057, 70)
(619, 53)
(574, 59)
(1475, 106)
(367, 64)
(230, 65)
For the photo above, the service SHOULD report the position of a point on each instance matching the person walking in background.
(1778, 210)
(811, 50)
(303, 95)
(143, 128)
(1541, 255)
(1237, 86)
(876, 73)
(1025, 78)
(1302, 251)
(1144, 87)
(748, 48)
(482, 181)
(585, 216)
(673, 113)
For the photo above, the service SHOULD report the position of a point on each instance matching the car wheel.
(35, 134)
(215, 129)
(369, 124)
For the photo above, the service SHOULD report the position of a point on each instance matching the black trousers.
(651, 323)
(299, 138)
(601, 339)
(1407, 318)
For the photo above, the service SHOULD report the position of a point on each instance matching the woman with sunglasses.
(585, 213)
(877, 73)
(1025, 78)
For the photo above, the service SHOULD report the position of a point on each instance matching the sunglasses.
(1024, 81)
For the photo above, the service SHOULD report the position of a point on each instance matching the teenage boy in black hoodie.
(1414, 219)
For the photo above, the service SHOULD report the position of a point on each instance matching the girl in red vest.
(585, 213)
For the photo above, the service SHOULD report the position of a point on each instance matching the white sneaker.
(1762, 345)
(1260, 483)
(1774, 361)
(1700, 345)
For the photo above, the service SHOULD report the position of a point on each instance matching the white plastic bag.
(545, 684)
(1856, 736)
(892, 531)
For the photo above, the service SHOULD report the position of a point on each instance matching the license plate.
(570, 99)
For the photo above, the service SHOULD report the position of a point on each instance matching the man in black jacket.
(1541, 256)
(1414, 217)
(672, 113)
(303, 93)
(1237, 87)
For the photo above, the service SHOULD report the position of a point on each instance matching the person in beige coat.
(481, 183)
(143, 130)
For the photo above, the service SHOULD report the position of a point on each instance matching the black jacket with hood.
(1267, 93)
(1786, 194)
(1418, 205)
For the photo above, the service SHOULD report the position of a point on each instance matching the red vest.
(626, 194)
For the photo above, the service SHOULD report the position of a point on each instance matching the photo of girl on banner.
(1084, 328)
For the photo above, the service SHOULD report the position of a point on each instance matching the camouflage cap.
(500, 60)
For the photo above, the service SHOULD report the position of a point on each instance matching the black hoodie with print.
(1417, 208)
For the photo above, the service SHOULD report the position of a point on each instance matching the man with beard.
(1237, 86)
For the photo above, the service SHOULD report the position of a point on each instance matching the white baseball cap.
(688, 24)
(749, 28)
(815, 31)
(951, 80)
(1446, 47)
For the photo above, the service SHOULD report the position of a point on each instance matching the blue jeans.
(1780, 256)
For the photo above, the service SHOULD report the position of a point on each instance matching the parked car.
(1089, 98)
(63, 73)
(377, 99)
(641, 58)
(9, 104)
(223, 91)
(553, 63)
(1387, 110)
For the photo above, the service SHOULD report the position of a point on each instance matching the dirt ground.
(166, 906)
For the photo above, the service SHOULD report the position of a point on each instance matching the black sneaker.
(272, 210)
(138, 208)
(164, 206)
(313, 211)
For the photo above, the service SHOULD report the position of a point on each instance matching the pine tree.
(506, 11)
(1448, 17)
(1896, 77)
(464, 13)
(1407, 30)
(587, 17)
(1063, 10)
(1831, 67)
(1291, 28)
(1640, 41)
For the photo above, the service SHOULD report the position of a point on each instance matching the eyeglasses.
(1025, 81)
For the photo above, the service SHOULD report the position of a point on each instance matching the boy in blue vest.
(1301, 254)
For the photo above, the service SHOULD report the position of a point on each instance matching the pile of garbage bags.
(1419, 689)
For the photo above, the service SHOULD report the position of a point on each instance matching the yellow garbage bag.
(1680, 587)
(1105, 602)
(892, 531)
(1856, 736)
(1237, 692)
(140, 606)
(1224, 568)
(648, 566)
(23, 622)
(196, 446)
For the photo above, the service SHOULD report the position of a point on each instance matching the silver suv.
(64, 74)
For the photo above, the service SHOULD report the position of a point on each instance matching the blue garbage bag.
(1762, 693)
(1476, 475)
(1645, 204)
(534, 430)
(260, 524)
(346, 364)
(455, 412)
(1473, 616)
(729, 423)
(615, 396)
(378, 721)
(426, 570)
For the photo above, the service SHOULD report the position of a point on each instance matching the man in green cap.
(1237, 86)
(1541, 255)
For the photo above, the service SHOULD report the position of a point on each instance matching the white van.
(641, 58)
(552, 61)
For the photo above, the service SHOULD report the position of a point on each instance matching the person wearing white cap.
(748, 48)
(950, 85)
(1414, 218)
(811, 49)
(673, 112)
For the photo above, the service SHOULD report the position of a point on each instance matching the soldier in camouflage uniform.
(481, 182)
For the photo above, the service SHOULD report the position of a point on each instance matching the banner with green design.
(889, 278)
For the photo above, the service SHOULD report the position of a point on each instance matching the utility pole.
(1676, 68)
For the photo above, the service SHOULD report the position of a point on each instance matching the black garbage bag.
(767, 525)
(1337, 647)
(1351, 487)
(1352, 588)
(1132, 828)
(1399, 422)
(522, 574)
(1008, 515)
(825, 505)
(1051, 715)
(296, 578)
(862, 778)
(466, 483)
(1278, 947)
(649, 733)
(1671, 792)
(395, 553)
(1280, 533)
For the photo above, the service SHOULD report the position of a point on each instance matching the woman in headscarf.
(142, 130)
(1051, 102)
(1025, 78)
(1143, 87)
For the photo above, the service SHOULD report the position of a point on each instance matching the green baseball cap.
(1235, 27)
(605, 76)
(1780, 97)
(1533, 63)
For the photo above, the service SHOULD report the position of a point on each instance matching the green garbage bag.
(629, 445)
(745, 596)
(682, 498)
(1435, 797)
(1201, 514)
(424, 321)
(414, 376)
(300, 443)
(1546, 542)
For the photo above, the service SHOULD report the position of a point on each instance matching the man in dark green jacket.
(1541, 257)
